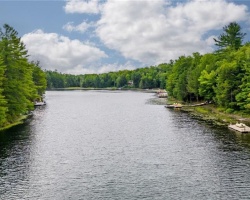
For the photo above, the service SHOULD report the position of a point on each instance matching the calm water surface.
(120, 145)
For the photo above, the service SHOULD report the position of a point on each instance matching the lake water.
(120, 145)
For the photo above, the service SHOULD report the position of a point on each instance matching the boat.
(163, 95)
(240, 127)
(40, 103)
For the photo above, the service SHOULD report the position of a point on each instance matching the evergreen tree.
(232, 37)
(18, 85)
(3, 106)
(39, 79)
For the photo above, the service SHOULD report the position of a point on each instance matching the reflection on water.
(120, 145)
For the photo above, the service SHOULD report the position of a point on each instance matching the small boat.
(40, 103)
(240, 127)
(163, 95)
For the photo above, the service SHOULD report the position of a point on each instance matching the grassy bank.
(214, 115)
(17, 122)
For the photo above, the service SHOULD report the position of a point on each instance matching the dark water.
(120, 145)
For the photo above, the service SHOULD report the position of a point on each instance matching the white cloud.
(152, 32)
(210, 40)
(100, 68)
(82, 6)
(147, 31)
(84, 26)
(115, 67)
(59, 52)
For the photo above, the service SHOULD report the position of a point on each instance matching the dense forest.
(149, 77)
(21, 82)
(222, 77)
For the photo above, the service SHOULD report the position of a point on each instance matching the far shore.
(209, 113)
(109, 88)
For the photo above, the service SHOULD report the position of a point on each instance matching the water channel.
(120, 145)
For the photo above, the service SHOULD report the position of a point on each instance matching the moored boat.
(40, 103)
(163, 95)
(240, 127)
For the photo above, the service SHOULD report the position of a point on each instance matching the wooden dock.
(240, 127)
(178, 105)
(175, 105)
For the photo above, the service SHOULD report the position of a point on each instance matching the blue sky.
(96, 36)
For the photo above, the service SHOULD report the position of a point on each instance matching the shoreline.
(21, 120)
(108, 89)
(208, 113)
(211, 114)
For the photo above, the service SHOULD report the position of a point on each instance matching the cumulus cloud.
(115, 67)
(145, 31)
(84, 26)
(153, 32)
(59, 52)
(82, 6)
(100, 68)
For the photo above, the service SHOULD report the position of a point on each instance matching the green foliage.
(177, 78)
(148, 77)
(232, 37)
(243, 95)
(3, 102)
(207, 84)
(222, 77)
(229, 110)
(19, 79)
(136, 77)
(121, 81)
(39, 79)
(193, 75)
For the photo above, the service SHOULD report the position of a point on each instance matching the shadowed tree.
(3, 103)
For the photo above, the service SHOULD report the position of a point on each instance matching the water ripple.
(120, 145)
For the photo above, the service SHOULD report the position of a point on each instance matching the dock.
(175, 105)
(178, 105)
(240, 127)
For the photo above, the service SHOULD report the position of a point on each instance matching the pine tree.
(18, 86)
(3, 106)
(39, 79)
(232, 37)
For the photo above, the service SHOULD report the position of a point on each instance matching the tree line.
(222, 77)
(21, 82)
(144, 78)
